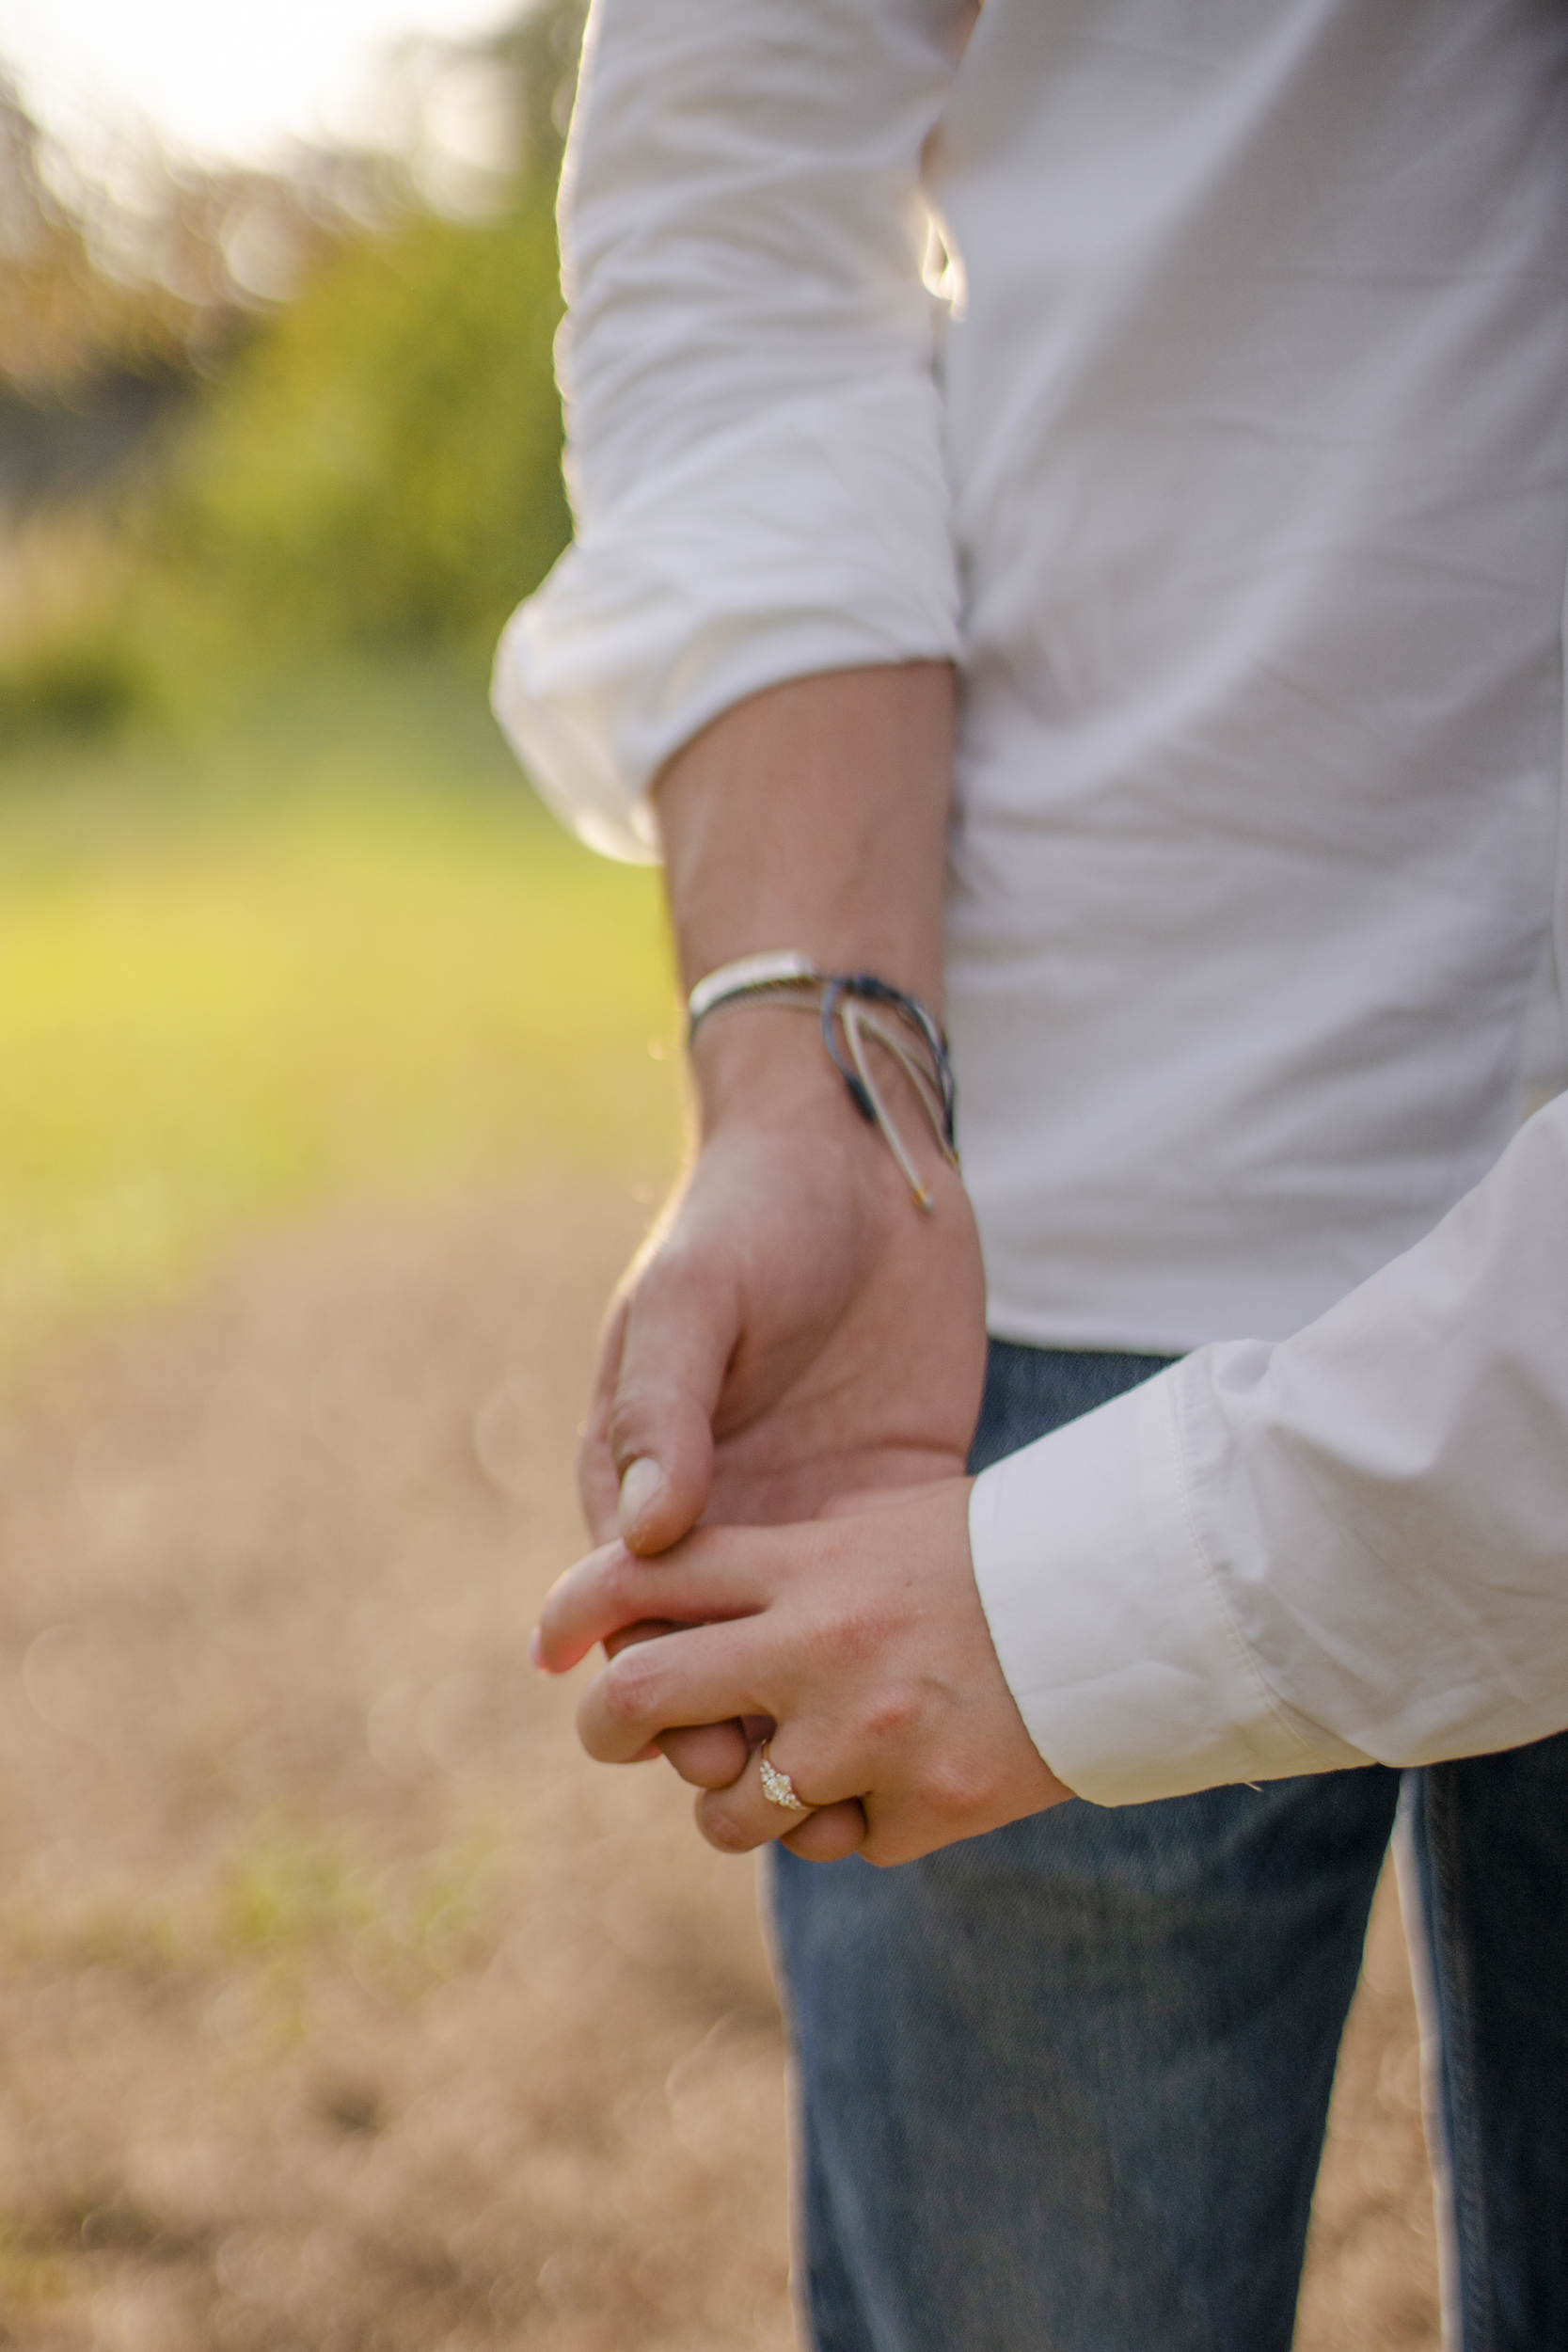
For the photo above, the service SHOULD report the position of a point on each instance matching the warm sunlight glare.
(239, 81)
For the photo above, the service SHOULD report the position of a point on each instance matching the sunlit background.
(278, 452)
(238, 84)
(339, 2008)
(342, 2007)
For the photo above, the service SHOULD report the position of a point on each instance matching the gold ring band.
(778, 1788)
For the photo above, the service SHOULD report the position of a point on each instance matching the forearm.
(811, 817)
(815, 816)
(798, 1314)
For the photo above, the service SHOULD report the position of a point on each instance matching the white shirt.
(1232, 468)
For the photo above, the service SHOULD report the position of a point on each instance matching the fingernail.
(537, 1651)
(642, 1482)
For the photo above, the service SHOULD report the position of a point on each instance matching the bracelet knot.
(849, 1006)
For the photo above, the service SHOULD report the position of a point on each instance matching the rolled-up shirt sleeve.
(1344, 1547)
(753, 427)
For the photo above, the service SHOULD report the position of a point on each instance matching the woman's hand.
(860, 1637)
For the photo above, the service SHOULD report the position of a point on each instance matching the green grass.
(328, 949)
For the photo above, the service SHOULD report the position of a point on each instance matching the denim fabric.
(1062, 2088)
(1490, 1846)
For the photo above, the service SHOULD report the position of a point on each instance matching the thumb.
(681, 1326)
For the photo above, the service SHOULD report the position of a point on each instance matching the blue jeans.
(1064, 2087)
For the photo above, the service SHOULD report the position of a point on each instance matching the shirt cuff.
(1109, 1623)
(817, 537)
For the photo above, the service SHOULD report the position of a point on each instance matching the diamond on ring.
(778, 1788)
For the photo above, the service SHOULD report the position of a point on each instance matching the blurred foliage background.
(278, 454)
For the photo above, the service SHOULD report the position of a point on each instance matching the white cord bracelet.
(845, 1002)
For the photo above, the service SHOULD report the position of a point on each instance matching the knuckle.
(894, 1713)
(671, 1282)
(629, 1421)
(954, 1788)
(668, 1267)
(630, 1688)
(689, 1279)
(722, 1829)
(851, 1636)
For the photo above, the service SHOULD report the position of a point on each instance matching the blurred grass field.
(330, 949)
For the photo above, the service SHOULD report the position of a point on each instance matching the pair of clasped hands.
(773, 1470)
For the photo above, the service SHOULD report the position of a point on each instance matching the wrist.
(765, 1059)
(762, 1073)
(861, 1018)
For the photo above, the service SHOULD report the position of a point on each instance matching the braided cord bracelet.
(847, 1004)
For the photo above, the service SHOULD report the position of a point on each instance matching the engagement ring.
(778, 1788)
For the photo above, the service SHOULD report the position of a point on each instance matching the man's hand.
(797, 1330)
(860, 1637)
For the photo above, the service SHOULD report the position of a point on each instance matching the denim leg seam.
(1418, 1933)
(1466, 2155)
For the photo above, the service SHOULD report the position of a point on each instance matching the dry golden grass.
(343, 2008)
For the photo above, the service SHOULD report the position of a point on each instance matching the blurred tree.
(111, 309)
(61, 318)
(343, 371)
(382, 461)
(88, 360)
